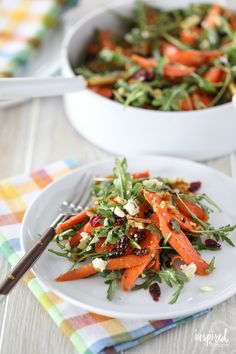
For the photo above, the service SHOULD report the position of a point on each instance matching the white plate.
(44, 62)
(90, 294)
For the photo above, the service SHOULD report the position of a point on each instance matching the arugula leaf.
(122, 179)
(211, 266)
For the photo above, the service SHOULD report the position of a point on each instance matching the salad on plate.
(141, 231)
(177, 60)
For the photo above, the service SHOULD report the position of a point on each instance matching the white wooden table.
(34, 134)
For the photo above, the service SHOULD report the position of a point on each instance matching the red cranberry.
(139, 235)
(212, 244)
(124, 243)
(143, 75)
(155, 291)
(95, 220)
(195, 186)
(116, 252)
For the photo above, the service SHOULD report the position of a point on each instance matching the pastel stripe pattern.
(89, 332)
(23, 26)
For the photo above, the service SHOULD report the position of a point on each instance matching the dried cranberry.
(168, 263)
(141, 252)
(183, 219)
(124, 243)
(143, 75)
(212, 243)
(139, 235)
(116, 252)
(155, 291)
(95, 220)
(195, 186)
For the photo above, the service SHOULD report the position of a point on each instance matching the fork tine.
(84, 191)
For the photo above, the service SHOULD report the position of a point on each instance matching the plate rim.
(174, 313)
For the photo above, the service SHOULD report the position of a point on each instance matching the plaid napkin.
(23, 25)
(89, 332)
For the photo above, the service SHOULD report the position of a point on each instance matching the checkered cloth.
(89, 332)
(23, 26)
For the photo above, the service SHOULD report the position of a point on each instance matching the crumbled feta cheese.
(189, 270)
(153, 182)
(105, 222)
(118, 212)
(99, 264)
(163, 204)
(67, 246)
(206, 289)
(131, 207)
(84, 240)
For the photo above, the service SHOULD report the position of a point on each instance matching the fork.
(66, 210)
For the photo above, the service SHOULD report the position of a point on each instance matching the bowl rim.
(65, 63)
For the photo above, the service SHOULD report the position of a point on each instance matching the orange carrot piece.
(189, 36)
(210, 20)
(112, 264)
(189, 104)
(197, 210)
(214, 75)
(232, 22)
(83, 272)
(74, 220)
(106, 41)
(144, 174)
(74, 241)
(180, 243)
(131, 274)
(99, 248)
(152, 198)
(143, 208)
(146, 63)
(175, 71)
(103, 91)
(127, 261)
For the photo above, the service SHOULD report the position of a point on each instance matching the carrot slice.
(112, 264)
(190, 103)
(131, 274)
(143, 208)
(99, 248)
(75, 240)
(105, 39)
(211, 18)
(175, 71)
(215, 75)
(144, 174)
(74, 220)
(195, 209)
(103, 91)
(232, 22)
(146, 63)
(152, 198)
(190, 36)
(180, 243)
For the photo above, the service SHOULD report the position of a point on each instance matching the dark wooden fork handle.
(29, 258)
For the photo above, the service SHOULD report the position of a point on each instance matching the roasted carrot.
(83, 272)
(232, 21)
(152, 198)
(143, 208)
(105, 91)
(180, 243)
(215, 75)
(210, 20)
(74, 220)
(177, 70)
(194, 100)
(106, 248)
(146, 63)
(106, 40)
(75, 240)
(131, 274)
(195, 209)
(112, 264)
(190, 36)
(144, 174)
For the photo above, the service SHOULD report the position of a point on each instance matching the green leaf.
(175, 296)
(111, 289)
(122, 179)
(175, 225)
(211, 266)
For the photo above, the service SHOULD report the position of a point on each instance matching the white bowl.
(196, 135)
